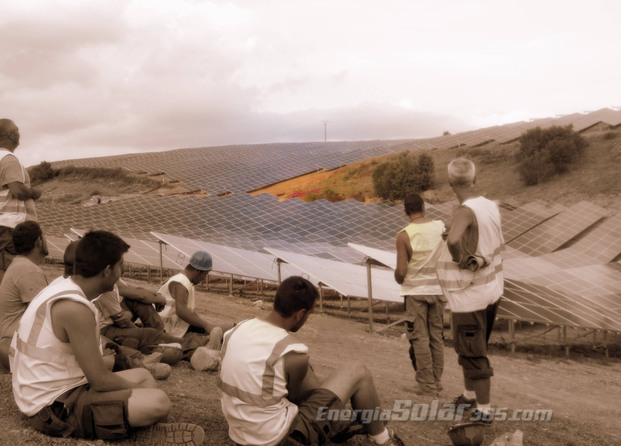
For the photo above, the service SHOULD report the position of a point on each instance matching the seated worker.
(130, 347)
(116, 324)
(270, 394)
(179, 316)
(22, 281)
(60, 381)
(142, 303)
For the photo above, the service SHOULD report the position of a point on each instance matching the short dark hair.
(25, 236)
(69, 257)
(413, 203)
(96, 250)
(295, 293)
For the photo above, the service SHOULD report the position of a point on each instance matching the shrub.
(332, 196)
(546, 152)
(404, 173)
(42, 172)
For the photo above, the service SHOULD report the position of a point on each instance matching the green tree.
(546, 152)
(404, 173)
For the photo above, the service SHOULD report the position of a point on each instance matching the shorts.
(85, 413)
(307, 427)
(471, 332)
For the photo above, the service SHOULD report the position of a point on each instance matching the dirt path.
(582, 395)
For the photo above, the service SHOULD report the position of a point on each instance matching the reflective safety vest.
(43, 367)
(426, 241)
(253, 382)
(473, 288)
(173, 324)
(12, 210)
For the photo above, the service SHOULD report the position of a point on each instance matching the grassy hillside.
(594, 178)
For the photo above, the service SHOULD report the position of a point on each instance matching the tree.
(546, 152)
(404, 173)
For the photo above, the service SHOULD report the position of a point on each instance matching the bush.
(404, 173)
(545, 153)
(42, 172)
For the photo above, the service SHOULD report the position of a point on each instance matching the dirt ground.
(583, 393)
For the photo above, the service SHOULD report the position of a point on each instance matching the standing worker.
(419, 245)
(16, 195)
(471, 277)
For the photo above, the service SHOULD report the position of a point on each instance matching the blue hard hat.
(201, 260)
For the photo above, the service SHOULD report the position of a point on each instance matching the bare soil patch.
(581, 391)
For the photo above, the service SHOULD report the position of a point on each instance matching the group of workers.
(82, 366)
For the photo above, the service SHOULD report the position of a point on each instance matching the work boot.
(171, 434)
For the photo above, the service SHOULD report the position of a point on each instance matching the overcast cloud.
(88, 78)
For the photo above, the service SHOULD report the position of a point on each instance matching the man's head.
(9, 134)
(413, 204)
(461, 173)
(27, 237)
(99, 254)
(295, 299)
(199, 266)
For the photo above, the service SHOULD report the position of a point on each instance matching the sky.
(97, 78)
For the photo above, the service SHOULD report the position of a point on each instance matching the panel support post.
(370, 293)
(278, 262)
(565, 341)
(231, 286)
(320, 297)
(512, 334)
(161, 262)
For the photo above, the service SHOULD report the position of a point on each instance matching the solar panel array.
(553, 233)
(241, 168)
(557, 259)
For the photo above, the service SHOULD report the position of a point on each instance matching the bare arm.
(462, 219)
(22, 192)
(74, 323)
(140, 294)
(404, 254)
(300, 376)
(180, 294)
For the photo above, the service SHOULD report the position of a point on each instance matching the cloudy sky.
(94, 78)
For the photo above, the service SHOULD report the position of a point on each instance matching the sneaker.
(153, 358)
(477, 416)
(159, 370)
(394, 440)
(171, 434)
(465, 403)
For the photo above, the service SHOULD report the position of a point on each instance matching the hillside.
(595, 178)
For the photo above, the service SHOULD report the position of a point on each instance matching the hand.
(123, 320)
(35, 194)
(159, 307)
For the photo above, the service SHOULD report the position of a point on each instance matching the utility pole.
(325, 130)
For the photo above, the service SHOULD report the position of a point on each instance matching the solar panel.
(599, 284)
(56, 246)
(147, 253)
(601, 245)
(346, 278)
(242, 263)
(536, 303)
(387, 258)
(521, 220)
(556, 231)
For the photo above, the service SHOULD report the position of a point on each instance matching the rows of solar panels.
(240, 168)
(562, 264)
